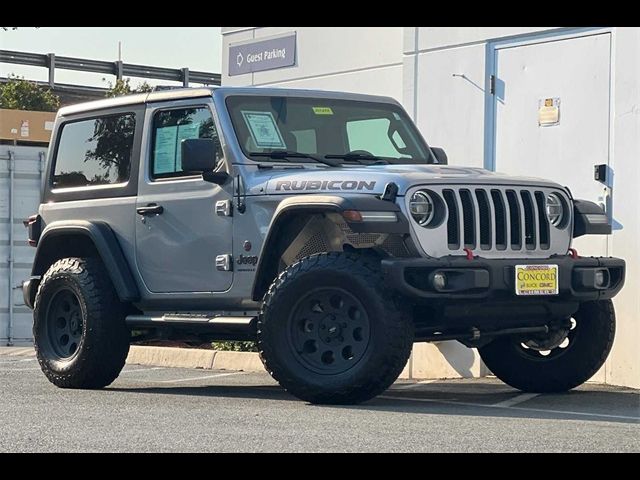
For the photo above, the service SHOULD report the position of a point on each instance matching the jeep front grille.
(494, 221)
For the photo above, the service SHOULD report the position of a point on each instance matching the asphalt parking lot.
(180, 410)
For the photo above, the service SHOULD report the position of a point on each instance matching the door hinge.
(492, 84)
(223, 262)
(223, 208)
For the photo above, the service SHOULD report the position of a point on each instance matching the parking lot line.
(510, 402)
(18, 369)
(18, 361)
(218, 375)
(405, 386)
(523, 409)
(142, 370)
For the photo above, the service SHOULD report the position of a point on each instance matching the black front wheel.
(330, 332)
(81, 338)
(560, 360)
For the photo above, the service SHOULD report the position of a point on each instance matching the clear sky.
(198, 48)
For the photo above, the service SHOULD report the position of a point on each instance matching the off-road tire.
(595, 324)
(390, 333)
(104, 340)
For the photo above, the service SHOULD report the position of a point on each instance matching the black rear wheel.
(81, 338)
(330, 332)
(560, 360)
(65, 324)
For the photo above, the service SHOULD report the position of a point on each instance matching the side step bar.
(218, 323)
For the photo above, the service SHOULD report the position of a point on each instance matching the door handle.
(151, 209)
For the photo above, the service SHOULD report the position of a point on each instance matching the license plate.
(536, 279)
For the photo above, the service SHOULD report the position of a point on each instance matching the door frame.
(146, 185)
(545, 36)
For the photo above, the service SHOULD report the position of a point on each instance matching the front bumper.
(494, 279)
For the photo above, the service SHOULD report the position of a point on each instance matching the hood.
(372, 179)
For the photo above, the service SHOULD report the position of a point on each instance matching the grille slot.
(500, 219)
(468, 216)
(484, 215)
(453, 222)
(514, 220)
(543, 221)
(529, 226)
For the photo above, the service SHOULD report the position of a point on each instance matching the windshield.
(315, 128)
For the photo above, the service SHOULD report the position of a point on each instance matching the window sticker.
(322, 110)
(168, 148)
(263, 129)
(165, 150)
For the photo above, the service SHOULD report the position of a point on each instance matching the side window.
(371, 135)
(170, 127)
(95, 152)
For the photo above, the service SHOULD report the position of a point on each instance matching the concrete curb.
(171, 357)
(194, 358)
(174, 357)
(245, 361)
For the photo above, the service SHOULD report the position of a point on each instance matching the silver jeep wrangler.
(319, 224)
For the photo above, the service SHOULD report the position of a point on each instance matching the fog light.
(439, 281)
(601, 278)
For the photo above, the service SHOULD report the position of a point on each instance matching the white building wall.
(623, 366)
(365, 60)
(416, 65)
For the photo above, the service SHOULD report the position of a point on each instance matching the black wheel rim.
(543, 354)
(64, 324)
(329, 330)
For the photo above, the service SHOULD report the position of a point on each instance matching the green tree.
(21, 94)
(123, 87)
(113, 137)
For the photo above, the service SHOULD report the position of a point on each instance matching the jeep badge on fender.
(364, 240)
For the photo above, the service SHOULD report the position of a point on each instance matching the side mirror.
(441, 157)
(200, 155)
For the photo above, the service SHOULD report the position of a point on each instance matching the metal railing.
(117, 68)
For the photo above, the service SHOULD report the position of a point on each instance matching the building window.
(95, 152)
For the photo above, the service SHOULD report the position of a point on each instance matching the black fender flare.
(105, 243)
(589, 219)
(310, 204)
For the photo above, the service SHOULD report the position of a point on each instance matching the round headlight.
(422, 208)
(555, 209)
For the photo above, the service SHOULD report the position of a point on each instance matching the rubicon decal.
(291, 185)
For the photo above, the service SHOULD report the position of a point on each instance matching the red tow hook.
(469, 253)
(573, 253)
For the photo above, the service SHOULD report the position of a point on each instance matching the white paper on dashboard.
(263, 129)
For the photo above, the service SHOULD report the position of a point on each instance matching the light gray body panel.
(289, 180)
(176, 251)
(118, 213)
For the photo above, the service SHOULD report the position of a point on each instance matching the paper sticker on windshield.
(322, 110)
(263, 129)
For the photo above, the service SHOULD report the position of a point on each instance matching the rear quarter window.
(94, 152)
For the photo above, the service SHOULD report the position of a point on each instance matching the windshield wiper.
(285, 154)
(359, 157)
